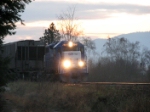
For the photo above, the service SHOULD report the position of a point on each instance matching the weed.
(49, 96)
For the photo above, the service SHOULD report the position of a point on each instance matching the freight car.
(26, 58)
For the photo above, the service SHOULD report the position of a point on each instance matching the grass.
(26, 96)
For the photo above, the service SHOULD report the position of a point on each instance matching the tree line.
(121, 60)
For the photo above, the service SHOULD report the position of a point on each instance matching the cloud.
(106, 10)
(108, 17)
(25, 32)
(49, 10)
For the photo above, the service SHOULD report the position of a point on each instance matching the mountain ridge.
(142, 37)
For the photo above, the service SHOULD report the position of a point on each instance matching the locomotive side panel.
(30, 57)
(25, 55)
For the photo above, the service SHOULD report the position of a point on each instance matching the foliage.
(10, 14)
(50, 35)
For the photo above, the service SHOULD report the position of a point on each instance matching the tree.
(50, 35)
(69, 27)
(89, 45)
(9, 14)
(121, 61)
(4, 77)
(145, 62)
(121, 48)
(145, 57)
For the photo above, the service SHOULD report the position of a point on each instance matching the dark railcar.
(26, 57)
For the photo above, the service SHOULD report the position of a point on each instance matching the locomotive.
(67, 59)
(31, 59)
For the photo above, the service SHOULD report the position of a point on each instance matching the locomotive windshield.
(70, 46)
(74, 48)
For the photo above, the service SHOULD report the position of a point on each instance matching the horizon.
(95, 38)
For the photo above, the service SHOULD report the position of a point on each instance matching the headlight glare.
(81, 63)
(70, 44)
(66, 63)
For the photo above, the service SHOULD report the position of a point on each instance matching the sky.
(98, 18)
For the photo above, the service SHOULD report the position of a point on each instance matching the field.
(25, 96)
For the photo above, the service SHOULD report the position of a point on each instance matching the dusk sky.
(98, 18)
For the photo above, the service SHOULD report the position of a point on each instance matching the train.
(31, 59)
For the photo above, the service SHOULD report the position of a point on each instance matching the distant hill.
(99, 44)
(142, 37)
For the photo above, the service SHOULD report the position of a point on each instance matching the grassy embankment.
(57, 97)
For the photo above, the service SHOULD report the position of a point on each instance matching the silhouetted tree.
(70, 29)
(145, 57)
(148, 73)
(4, 61)
(51, 34)
(9, 14)
(69, 26)
(121, 48)
(89, 45)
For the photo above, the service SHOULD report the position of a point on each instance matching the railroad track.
(118, 85)
(115, 83)
(109, 83)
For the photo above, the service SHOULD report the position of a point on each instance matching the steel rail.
(116, 83)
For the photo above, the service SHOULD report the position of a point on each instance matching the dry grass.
(57, 97)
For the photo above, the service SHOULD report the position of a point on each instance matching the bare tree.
(70, 29)
(121, 48)
(69, 26)
(89, 45)
(145, 60)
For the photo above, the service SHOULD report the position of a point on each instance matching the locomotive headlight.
(81, 63)
(70, 44)
(66, 63)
